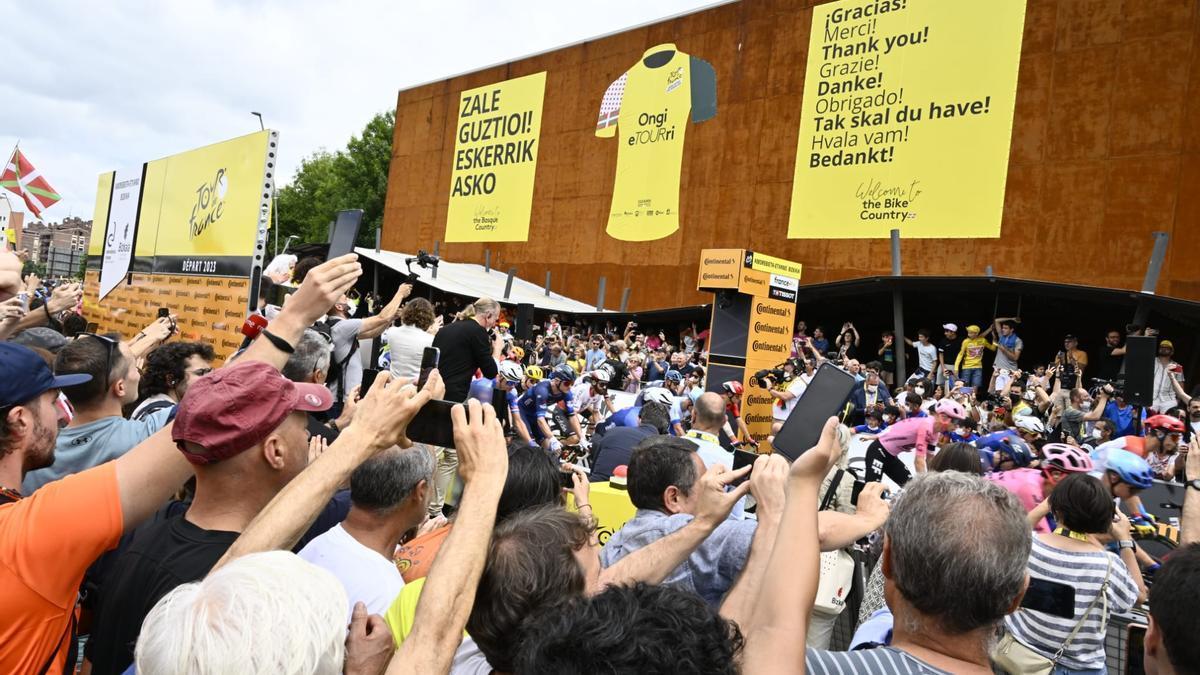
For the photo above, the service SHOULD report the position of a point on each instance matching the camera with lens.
(767, 377)
(1098, 385)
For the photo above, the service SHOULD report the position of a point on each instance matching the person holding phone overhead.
(345, 368)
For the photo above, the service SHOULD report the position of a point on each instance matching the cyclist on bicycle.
(591, 397)
(536, 403)
(507, 380)
(1031, 486)
(913, 433)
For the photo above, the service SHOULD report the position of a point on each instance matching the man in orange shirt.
(48, 540)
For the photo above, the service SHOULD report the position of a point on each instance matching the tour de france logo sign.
(209, 204)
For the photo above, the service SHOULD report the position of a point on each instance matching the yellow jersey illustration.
(650, 105)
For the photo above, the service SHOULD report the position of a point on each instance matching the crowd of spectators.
(165, 510)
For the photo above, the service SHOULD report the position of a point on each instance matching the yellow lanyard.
(1074, 535)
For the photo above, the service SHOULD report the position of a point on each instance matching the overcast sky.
(92, 87)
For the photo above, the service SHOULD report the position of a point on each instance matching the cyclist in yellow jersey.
(650, 104)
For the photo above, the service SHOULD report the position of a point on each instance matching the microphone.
(254, 325)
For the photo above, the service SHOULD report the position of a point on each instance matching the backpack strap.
(832, 489)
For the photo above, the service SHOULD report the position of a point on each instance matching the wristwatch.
(1125, 543)
(1194, 484)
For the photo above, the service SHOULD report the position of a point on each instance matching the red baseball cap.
(235, 408)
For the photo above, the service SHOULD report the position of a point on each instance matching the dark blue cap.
(24, 375)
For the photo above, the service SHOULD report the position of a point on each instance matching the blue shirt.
(709, 571)
(536, 401)
(1122, 418)
(82, 447)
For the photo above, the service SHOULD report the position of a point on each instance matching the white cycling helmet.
(600, 376)
(1030, 423)
(511, 371)
(657, 395)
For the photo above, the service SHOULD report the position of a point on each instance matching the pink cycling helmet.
(950, 408)
(1066, 457)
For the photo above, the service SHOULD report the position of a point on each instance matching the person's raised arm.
(775, 637)
(449, 590)
(380, 422)
(839, 530)
(12, 311)
(653, 563)
(1097, 410)
(1179, 391)
(768, 483)
(1189, 530)
(148, 475)
(323, 285)
(372, 326)
(150, 337)
(61, 299)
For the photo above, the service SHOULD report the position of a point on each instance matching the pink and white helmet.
(950, 408)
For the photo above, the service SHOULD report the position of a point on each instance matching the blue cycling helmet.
(563, 372)
(1130, 468)
(1009, 443)
(674, 376)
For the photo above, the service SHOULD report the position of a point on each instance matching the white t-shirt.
(367, 576)
(926, 356)
(407, 346)
(796, 388)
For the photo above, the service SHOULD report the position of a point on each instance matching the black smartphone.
(432, 426)
(429, 361)
(165, 313)
(369, 375)
(566, 479)
(1135, 646)
(345, 233)
(743, 458)
(825, 397)
(856, 491)
(1050, 597)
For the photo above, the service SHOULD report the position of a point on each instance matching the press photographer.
(785, 383)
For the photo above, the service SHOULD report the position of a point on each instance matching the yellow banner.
(100, 215)
(906, 119)
(495, 159)
(204, 206)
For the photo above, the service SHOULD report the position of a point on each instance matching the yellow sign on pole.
(906, 120)
(495, 159)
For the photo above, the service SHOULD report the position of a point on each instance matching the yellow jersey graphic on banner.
(650, 105)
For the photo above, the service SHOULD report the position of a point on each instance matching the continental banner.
(650, 105)
(906, 120)
(495, 159)
(208, 309)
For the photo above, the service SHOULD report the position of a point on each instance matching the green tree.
(325, 183)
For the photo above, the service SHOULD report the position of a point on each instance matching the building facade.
(60, 247)
(1105, 150)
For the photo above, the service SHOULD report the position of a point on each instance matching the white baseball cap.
(952, 327)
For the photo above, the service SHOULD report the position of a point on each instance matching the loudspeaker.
(524, 327)
(1139, 369)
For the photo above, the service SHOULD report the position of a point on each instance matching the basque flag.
(20, 177)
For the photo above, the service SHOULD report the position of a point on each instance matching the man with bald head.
(708, 416)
